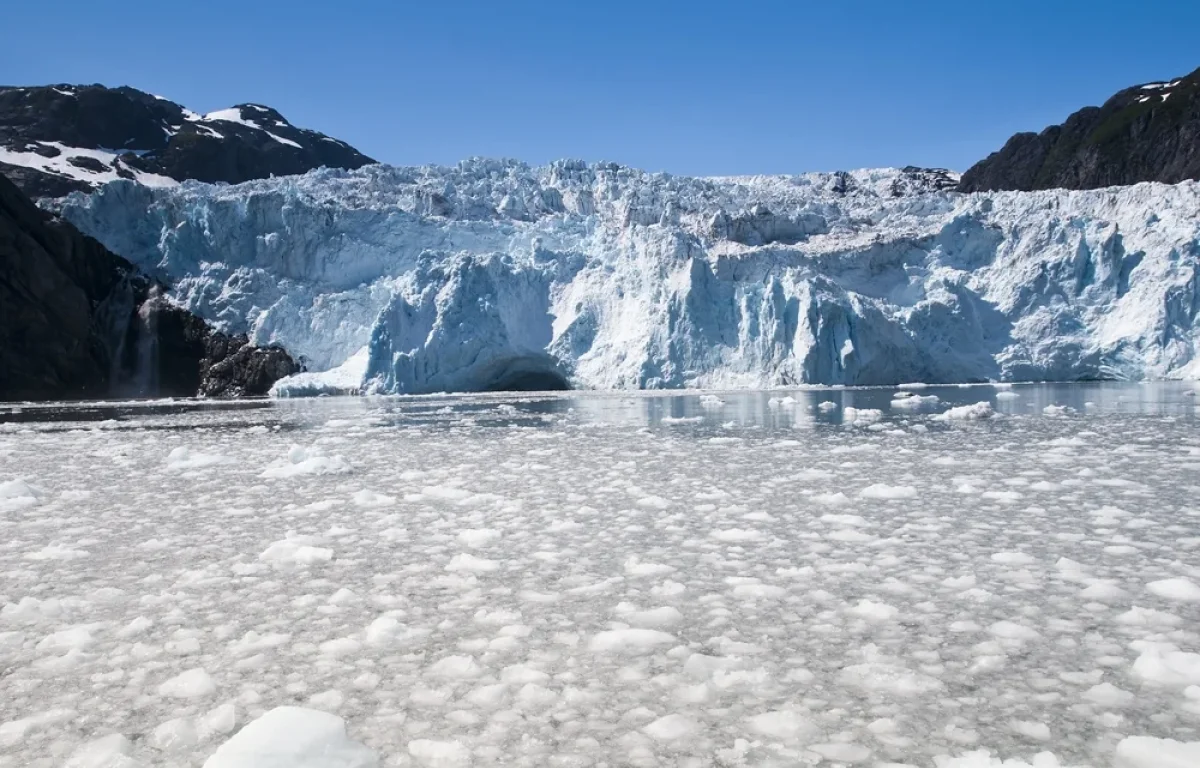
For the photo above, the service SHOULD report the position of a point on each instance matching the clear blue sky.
(688, 87)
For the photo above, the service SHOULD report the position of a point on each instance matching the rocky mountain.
(65, 138)
(1148, 132)
(81, 322)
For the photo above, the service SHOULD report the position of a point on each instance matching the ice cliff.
(495, 274)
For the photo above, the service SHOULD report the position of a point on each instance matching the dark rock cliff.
(59, 139)
(77, 321)
(1145, 133)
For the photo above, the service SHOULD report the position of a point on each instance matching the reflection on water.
(774, 409)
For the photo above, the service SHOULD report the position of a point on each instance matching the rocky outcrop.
(64, 138)
(1145, 133)
(81, 322)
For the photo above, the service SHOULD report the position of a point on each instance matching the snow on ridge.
(462, 277)
(235, 115)
(60, 165)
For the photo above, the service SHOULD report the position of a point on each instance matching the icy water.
(833, 577)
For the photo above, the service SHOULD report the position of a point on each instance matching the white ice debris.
(1147, 752)
(293, 737)
(1177, 589)
(567, 581)
(980, 410)
(306, 461)
(609, 277)
(112, 751)
(192, 684)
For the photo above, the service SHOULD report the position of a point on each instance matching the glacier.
(495, 274)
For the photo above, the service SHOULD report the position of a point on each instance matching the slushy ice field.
(931, 577)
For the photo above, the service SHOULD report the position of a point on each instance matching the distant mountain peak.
(61, 138)
(1148, 132)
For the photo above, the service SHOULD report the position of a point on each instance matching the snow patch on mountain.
(91, 166)
(493, 274)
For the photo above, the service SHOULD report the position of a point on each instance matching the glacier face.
(495, 274)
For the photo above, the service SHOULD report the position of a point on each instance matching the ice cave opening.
(534, 373)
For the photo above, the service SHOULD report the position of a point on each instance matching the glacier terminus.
(496, 275)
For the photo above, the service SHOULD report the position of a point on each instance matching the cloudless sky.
(687, 87)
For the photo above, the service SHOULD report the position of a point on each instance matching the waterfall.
(145, 362)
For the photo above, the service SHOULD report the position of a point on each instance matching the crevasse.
(495, 274)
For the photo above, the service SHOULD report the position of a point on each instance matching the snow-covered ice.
(495, 274)
(581, 580)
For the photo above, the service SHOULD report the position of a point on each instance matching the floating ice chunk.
(655, 618)
(882, 674)
(1007, 395)
(1013, 558)
(219, 721)
(293, 737)
(177, 734)
(1166, 665)
(1031, 730)
(306, 461)
(14, 731)
(671, 728)
(737, 535)
(112, 751)
(253, 642)
(758, 591)
(456, 668)
(783, 725)
(711, 401)
(478, 537)
(1010, 630)
(1178, 589)
(439, 754)
(340, 646)
(17, 494)
(1147, 752)
(980, 410)
(182, 458)
(327, 701)
(446, 493)
(841, 752)
(1109, 696)
(827, 405)
(192, 684)
(1104, 592)
(56, 552)
(468, 563)
(873, 611)
(861, 417)
(635, 567)
(72, 638)
(1147, 617)
(832, 499)
(1058, 410)
(372, 500)
(884, 491)
(629, 641)
(984, 759)
(915, 401)
(297, 551)
(854, 521)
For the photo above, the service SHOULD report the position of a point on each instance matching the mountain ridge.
(1147, 132)
(62, 138)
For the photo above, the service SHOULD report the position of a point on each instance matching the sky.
(701, 88)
